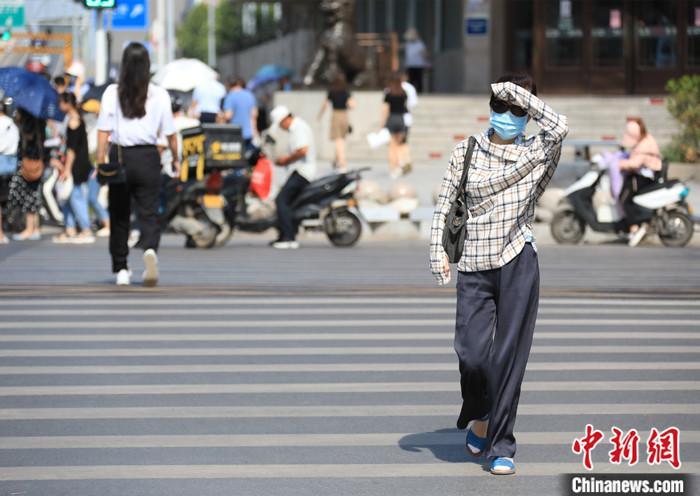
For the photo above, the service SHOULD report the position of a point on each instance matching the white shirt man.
(301, 163)
(207, 98)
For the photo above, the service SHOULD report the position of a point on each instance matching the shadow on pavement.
(440, 443)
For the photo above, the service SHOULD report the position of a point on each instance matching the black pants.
(207, 117)
(633, 185)
(286, 223)
(496, 313)
(143, 185)
(415, 77)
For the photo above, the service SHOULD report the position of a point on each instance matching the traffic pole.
(100, 50)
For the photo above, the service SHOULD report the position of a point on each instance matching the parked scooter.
(327, 204)
(669, 213)
(194, 209)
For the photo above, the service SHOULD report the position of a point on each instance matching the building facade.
(570, 46)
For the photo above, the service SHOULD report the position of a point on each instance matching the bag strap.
(461, 189)
(117, 109)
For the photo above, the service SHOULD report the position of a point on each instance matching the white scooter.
(588, 202)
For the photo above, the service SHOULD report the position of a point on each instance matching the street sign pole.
(100, 50)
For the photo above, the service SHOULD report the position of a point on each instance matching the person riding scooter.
(639, 168)
(301, 164)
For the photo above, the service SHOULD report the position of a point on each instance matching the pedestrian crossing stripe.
(335, 387)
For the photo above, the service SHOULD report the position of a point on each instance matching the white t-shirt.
(208, 96)
(411, 101)
(142, 131)
(301, 136)
(9, 136)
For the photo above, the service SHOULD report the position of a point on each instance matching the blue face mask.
(508, 126)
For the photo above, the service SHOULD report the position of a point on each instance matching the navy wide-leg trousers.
(496, 313)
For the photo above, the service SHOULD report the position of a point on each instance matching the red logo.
(664, 447)
(661, 446)
(586, 444)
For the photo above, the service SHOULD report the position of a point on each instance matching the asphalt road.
(323, 371)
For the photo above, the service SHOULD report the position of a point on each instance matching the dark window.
(607, 33)
(694, 32)
(521, 45)
(564, 32)
(657, 33)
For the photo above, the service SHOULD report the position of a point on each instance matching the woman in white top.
(132, 115)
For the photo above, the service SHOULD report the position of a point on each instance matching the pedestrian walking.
(301, 166)
(77, 169)
(416, 58)
(240, 109)
(498, 272)
(207, 99)
(393, 111)
(24, 186)
(9, 141)
(341, 101)
(132, 114)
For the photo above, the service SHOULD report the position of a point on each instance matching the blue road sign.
(477, 26)
(130, 15)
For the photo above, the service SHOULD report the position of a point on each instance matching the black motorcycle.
(327, 204)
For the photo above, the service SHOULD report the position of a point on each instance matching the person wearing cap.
(644, 159)
(301, 166)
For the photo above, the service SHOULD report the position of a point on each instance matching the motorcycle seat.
(658, 186)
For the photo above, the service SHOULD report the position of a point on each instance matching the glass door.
(606, 59)
(656, 40)
(562, 45)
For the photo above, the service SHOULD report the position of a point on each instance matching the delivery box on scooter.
(211, 147)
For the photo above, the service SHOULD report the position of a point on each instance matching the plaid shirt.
(504, 183)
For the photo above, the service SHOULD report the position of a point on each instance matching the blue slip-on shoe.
(476, 444)
(502, 465)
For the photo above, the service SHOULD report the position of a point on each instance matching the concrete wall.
(294, 51)
(477, 47)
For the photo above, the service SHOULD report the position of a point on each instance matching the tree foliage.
(192, 33)
(684, 104)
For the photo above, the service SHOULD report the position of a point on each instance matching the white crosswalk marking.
(289, 387)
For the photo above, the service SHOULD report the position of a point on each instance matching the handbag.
(32, 169)
(455, 230)
(113, 172)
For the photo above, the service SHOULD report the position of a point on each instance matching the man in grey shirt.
(301, 164)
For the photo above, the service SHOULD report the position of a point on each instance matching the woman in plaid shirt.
(498, 274)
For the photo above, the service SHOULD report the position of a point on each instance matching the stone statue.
(338, 52)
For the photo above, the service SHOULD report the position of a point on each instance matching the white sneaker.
(150, 261)
(286, 245)
(123, 277)
(103, 233)
(638, 236)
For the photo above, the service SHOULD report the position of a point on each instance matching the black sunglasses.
(501, 107)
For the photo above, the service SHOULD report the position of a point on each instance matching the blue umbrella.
(268, 73)
(31, 92)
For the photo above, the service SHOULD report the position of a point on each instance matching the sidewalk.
(425, 179)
